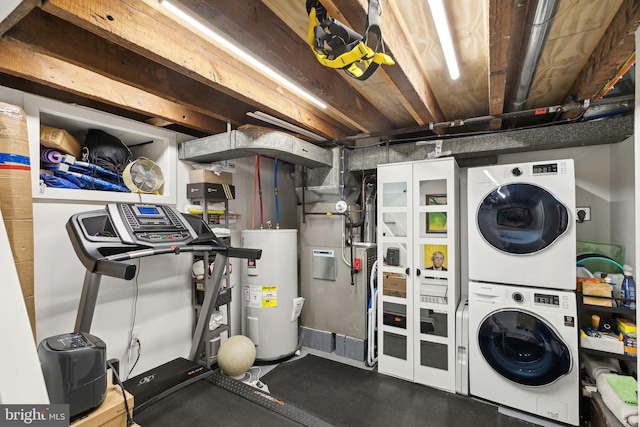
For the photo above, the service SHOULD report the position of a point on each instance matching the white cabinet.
(156, 144)
(418, 274)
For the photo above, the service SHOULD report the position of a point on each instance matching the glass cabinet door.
(395, 347)
(435, 257)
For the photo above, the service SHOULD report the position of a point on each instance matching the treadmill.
(106, 241)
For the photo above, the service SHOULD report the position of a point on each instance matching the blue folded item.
(90, 183)
(58, 182)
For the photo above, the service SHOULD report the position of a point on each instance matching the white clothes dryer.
(523, 349)
(521, 224)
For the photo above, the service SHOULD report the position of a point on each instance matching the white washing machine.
(522, 224)
(523, 349)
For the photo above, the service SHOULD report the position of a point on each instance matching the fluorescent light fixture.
(444, 34)
(285, 125)
(245, 56)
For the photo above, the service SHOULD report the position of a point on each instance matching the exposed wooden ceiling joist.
(500, 18)
(280, 47)
(17, 14)
(617, 43)
(19, 60)
(145, 30)
(407, 74)
(135, 58)
(49, 35)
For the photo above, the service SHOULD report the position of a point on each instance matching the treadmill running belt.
(267, 400)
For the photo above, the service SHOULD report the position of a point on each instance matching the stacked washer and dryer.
(523, 328)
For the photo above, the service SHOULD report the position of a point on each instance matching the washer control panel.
(547, 299)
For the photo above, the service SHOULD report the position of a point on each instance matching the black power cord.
(114, 365)
(137, 358)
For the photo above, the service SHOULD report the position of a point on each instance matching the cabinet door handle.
(418, 272)
(407, 271)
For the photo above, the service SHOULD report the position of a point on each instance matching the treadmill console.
(140, 223)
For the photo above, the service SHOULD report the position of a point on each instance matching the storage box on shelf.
(156, 144)
(204, 175)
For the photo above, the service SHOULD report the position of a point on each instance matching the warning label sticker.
(260, 296)
(269, 296)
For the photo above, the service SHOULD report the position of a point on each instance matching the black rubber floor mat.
(349, 396)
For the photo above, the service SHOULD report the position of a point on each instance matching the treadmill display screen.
(146, 210)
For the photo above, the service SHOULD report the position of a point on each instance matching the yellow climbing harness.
(338, 46)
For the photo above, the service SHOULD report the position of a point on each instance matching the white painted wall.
(622, 198)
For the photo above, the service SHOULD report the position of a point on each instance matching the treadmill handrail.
(226, 250)
(114, 266)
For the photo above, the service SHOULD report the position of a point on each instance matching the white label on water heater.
(252, 296)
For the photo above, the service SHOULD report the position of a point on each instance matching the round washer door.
(521, 218)
(523, 348)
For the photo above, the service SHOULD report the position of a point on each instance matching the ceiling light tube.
(285, 125)
(444, 34)
(245, 56)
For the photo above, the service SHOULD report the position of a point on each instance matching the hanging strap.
(337, 46)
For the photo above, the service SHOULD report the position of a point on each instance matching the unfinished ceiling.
(135, 59)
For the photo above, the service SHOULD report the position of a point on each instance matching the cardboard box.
(204, 175)
(211, 191)
(594, 287)
(61, 140)
(15, 195)
(394, 284)
(111, 413)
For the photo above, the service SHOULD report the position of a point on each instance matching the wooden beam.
(52, 36)
(500, 12)
(611, 52)
(17, 14)
(62, 95)
(145, 29)
(19, 60)
(276, 44)
(407, 74)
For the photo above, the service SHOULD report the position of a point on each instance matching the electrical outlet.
(587, 213)
(135, 337)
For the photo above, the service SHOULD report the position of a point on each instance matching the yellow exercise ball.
(236, 355)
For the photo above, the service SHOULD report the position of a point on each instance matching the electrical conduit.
(275, 191)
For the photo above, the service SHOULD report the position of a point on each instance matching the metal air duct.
(538, 22)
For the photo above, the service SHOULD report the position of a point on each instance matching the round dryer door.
(521, 218)
(523, 348)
